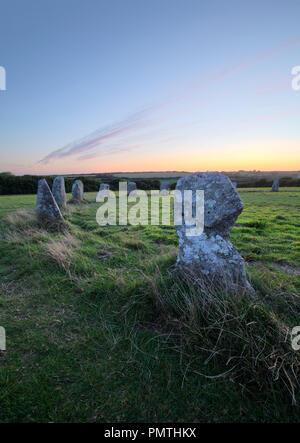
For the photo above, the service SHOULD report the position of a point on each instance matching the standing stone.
(46, 206)
(103, 187)
(103, 191)
(210, 258)
(77, 191)
(275, 186)
(131, 187)
(164, 188)
(234, 184)
(59, 192)
(164, 185)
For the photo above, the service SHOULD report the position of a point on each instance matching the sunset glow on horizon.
(157, 86)
(238, 158)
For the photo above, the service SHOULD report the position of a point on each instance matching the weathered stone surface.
(46, 206)
(131, 187)
(77, 191)
(234, 184)
(275, 186)
(210, 257)
(59, 192)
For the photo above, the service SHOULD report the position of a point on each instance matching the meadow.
(101, 329)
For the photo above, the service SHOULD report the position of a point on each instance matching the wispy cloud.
(109, 152)
(127, 135)
(137, 121)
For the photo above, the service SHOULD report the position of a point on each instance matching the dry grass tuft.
(104, 254)
(20, 218)
(62, 250)
(242, 333)
(24, 223)
(33, 235)
(74, 201)
(134, 244)
(21, 226)
(53, 225)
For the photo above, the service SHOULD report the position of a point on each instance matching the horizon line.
(253, 171)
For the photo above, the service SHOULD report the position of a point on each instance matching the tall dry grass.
(61, 250)
(238, 332)
(21, 226)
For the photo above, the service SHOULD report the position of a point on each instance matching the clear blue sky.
(149, 85)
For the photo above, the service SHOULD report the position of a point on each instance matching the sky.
(149, 85)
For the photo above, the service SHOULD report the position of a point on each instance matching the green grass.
(97, 330)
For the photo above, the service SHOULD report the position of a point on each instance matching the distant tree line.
(267, 183)
(261, 183)
(27, 184)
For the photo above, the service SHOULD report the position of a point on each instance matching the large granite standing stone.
(46, 206)
(77, 191)
(131, 187)
(275, 186)
(210, 258)
(59, 192)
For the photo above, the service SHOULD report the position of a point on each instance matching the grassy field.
(100, 329)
